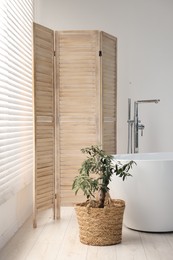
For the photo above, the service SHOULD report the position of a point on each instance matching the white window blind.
(16, 123)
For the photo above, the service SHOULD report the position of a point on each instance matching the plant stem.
(102, 196)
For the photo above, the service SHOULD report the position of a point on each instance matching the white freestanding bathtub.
(148, 193)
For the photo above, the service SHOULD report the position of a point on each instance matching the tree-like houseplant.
(99, 217)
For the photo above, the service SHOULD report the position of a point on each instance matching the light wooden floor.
(58, 240)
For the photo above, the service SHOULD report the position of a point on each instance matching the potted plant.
(100, 217)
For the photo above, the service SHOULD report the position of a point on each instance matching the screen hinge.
(100, 53)
(54, 53)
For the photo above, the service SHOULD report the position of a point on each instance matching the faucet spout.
(148, 101)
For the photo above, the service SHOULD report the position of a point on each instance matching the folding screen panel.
(109, 92)
(78, 99)
(44, 108)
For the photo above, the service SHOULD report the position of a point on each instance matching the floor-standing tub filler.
(148, 193)
(135, 125)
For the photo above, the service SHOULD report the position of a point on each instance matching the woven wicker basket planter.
(101, 226)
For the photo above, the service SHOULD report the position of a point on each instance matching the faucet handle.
(141, 127)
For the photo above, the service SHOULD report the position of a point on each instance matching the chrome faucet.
(135, 125)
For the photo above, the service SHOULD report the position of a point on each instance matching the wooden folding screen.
(85, 114)
(44, 110)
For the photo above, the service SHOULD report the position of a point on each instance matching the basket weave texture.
(101, 226)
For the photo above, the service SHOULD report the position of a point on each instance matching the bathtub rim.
(162, 156)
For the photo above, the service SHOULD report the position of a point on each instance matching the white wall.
(144, 29)
(14, 212)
